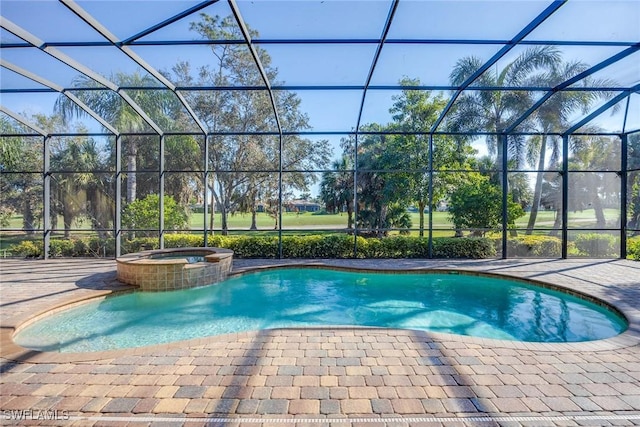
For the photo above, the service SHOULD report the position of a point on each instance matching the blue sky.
(327, 64)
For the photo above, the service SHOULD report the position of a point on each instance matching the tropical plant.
(143, 215)
(414, 111)
(111, 106)
(477, 205)
(494, 110)
(336, 188)
(553, 117)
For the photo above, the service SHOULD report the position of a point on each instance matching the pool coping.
(11, 351)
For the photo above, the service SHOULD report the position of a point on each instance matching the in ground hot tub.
(171, 269)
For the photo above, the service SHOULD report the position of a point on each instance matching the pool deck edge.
(9, 350)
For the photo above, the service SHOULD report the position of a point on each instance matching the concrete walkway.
(323, 376)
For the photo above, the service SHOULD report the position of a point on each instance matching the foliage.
(596, 245)
(28, 249)
(11, 148)
(336, 188)
(181, 240)
(144, 215)
(416, 111)
(329, 246)
(21, 192)
(533, 246)
(474, 248)
(633, 249)
(253, 246)
(244, 189)
(633, 183)
(477, 205)
(6, 213)
(493, 111)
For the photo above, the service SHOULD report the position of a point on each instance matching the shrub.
(533, 246)
(143, 214)
(633, 249)
(329, 246)
(314, 246)
(61, 247)
(596, 245)
(140, 244)
(28, 249)
(183, 240)
(477, 205)
(469, 247)
(253, 246)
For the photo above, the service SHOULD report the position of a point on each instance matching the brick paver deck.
(324, 376)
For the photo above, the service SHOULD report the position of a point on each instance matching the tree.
(588, 186)
(143, 214)
(20, 192)
(493, 111)
(383, 193)
(336, 188)
(244, 164)
(157, 104)
(414, 111)
(553, 116)
(477, 205)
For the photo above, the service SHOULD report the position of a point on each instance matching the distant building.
(301, 206)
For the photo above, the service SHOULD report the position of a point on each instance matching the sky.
(325, 64)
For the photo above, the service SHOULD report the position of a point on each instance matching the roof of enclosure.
(343, 59)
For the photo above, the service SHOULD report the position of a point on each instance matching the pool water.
(451, 303)
(191, 259)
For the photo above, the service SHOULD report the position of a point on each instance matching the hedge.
(313, 246)
(341, 246)
(633, 249)
(597, 245)
(533, 246)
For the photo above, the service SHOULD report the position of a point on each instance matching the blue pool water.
(452, 303)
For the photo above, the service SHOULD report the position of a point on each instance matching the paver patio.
(322, 376)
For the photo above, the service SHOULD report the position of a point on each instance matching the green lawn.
(241, 222)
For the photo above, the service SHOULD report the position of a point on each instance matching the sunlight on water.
(457, 304)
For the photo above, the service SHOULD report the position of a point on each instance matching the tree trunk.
(212, 210)
(601, 222)
(67, 218)
(382, 223)
(421, 206)
(27, 217)
(537, 192)
(556, 223)
(254, 222)
(223, 219)
(131, 173)
(499, 157)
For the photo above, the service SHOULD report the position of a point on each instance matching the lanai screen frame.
(51, 48)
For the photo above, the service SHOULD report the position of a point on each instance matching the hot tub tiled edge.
(151, 272)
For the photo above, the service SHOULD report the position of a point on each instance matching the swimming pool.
(300, 297)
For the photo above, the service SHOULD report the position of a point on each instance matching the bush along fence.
(342, 246)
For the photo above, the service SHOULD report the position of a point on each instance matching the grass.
(442, 225)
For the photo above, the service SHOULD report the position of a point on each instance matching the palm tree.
(79, 193)
(112, 108)
(553, 117)
(494, 110)
(336, 188)
(595, 189)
